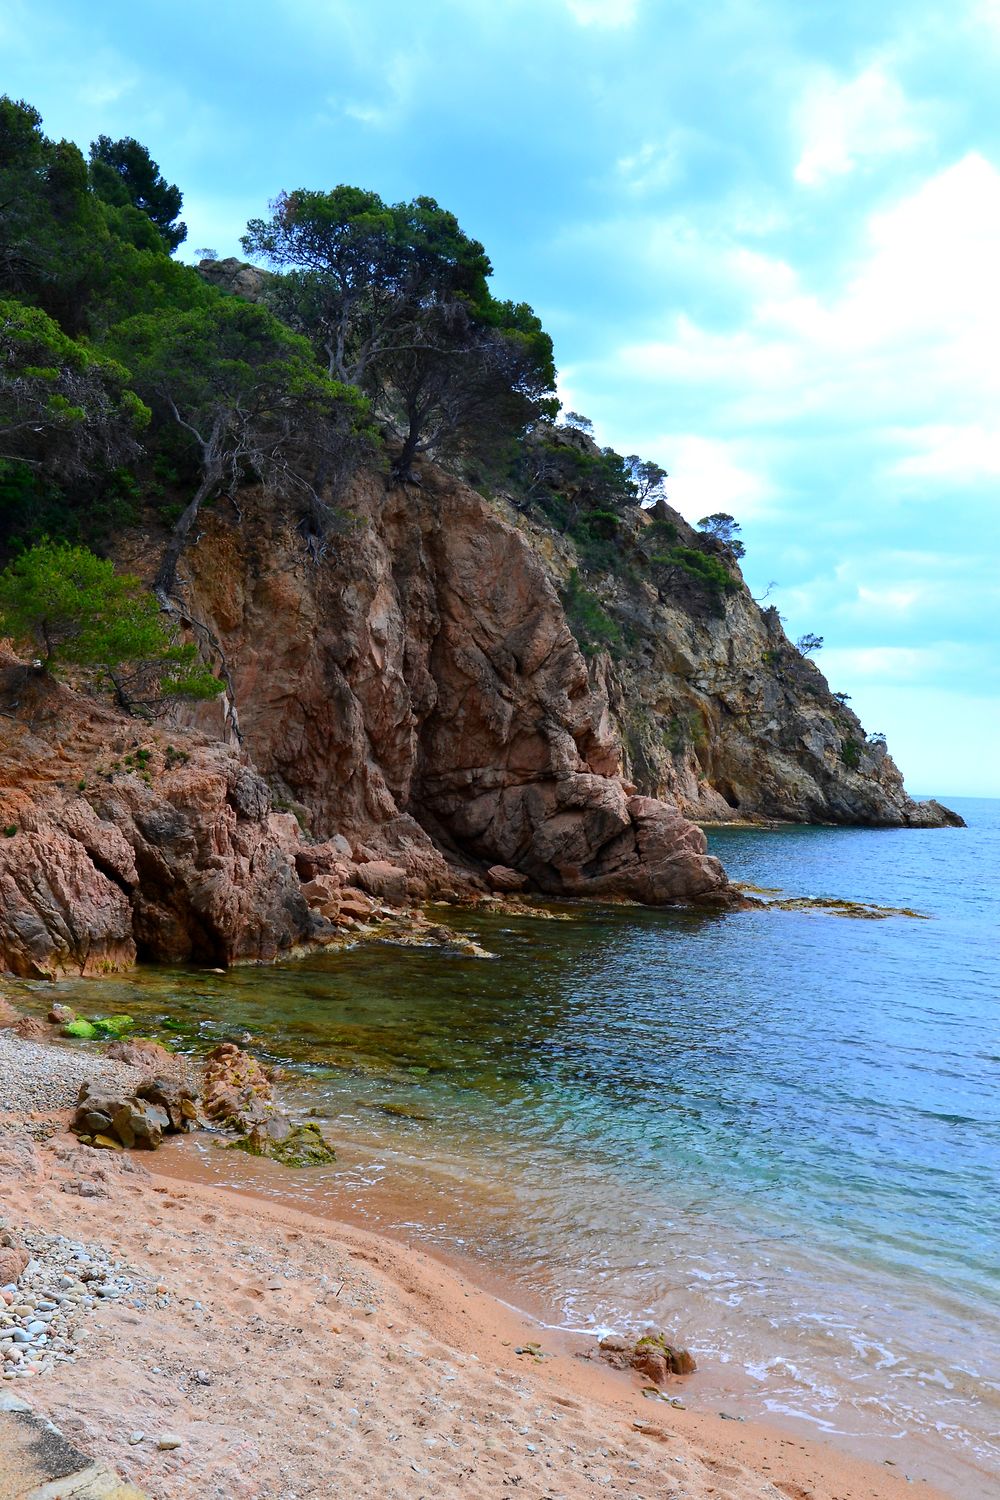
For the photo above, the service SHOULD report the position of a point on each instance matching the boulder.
(138, 1120)
(651, 1356)
(237, 1092)
(503, 878)
(32, 1029)
(291, 1145)
(140, 1052)
(385, 881)
(9, 1015)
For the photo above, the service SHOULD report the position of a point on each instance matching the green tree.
(247, 397)
(359, 268)
(75, 610)
(647, 477)
(64, 410)
(123, 172)
(725, 529)
(809, 644)
(466, 379)
(395, 298)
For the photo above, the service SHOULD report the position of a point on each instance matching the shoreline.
(716, 1384)
(330, 1315)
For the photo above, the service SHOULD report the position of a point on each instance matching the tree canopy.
(395, 298)
(63, 408)
(123, 172)
(247, 397)
(75, 610)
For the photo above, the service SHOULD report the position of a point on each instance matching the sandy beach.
(253, 1352)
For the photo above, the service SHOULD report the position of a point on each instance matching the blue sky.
(765, 235)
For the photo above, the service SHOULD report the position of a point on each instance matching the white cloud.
(962, 454)
(845, 123)
(907, 343)
(654, 165)
(609, 14)
(880, 663)
(707, 474)
(399, 77)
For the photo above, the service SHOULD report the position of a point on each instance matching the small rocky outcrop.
(109, 856)
(651, 1355)
(235, 276)
(138, 1120)
(238, 1097)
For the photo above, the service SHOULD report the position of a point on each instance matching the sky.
(764, 235)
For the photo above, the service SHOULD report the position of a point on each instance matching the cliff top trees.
(246, 394)
(359, 268)
(396, 298)
(724, 528)
(123, 172)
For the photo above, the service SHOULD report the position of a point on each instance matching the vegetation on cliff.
(137, 393)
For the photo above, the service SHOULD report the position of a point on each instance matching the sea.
(774, 1133)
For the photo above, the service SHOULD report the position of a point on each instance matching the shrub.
(594, 630)
(850, 754)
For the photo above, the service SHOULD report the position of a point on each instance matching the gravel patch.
(43, 1076)
(42, 1313)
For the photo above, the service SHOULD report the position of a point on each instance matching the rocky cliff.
(410, 715)
(715, 708)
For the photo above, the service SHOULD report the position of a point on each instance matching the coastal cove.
(768, 1132)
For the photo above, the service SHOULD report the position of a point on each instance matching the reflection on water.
(773, 1133)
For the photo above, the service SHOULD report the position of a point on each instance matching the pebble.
(168, 1440)
(136, 1437)
(40, 1314)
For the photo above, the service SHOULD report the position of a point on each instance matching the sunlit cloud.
(845, 123)
(610, 14)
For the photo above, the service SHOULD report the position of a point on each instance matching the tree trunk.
(166, 573)
(401, 468)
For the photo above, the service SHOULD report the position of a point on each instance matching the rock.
(216, 884)
(61, 1015)
(80, 1028)
(9, 1016)
(425, 698)
(141, 1119)
(235, 276)
(168, 1440)
(112, 1026)
(292, 1145)
(383, 880)
(238, 1096)
(236, 1092)
(13, 1259)
(32, 1029)
(651, 1355)
(140, 1052)
(502, 878)
(354, 904)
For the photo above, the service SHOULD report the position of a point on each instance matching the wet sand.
(299, 1358)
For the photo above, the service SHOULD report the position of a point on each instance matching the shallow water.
(774, 1133)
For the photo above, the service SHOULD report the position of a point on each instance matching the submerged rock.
(292, 1145)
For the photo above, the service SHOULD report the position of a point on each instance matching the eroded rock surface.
(419, 695)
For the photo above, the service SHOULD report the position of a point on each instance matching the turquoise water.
(775, 1133)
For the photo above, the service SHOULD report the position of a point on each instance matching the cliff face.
(713, 706)
(417, 691)
(410, 716)
(118, 845)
